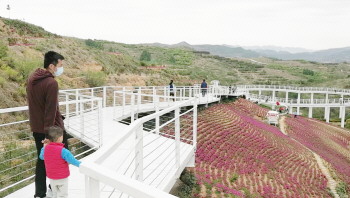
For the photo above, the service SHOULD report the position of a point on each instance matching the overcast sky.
(310, 24)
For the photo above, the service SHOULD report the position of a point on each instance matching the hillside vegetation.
(92, 63)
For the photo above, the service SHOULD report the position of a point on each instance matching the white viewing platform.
(144, 158)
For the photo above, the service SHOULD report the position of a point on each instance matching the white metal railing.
(293, 88)
(151, 149)
(128, 102)
(17, 148)
(322, 102)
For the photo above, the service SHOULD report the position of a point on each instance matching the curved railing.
(156, 153)
(293, 88)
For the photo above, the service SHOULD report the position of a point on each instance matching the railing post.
(139, 99)
(124, 99)
(157, 118)
(92, 187)
(67, 111)
(114, 105)
(92, 101)
(139, 153)
(100, 123)
(342, 123)
(76, 102)
(154, 93)
(104, 97)
(177, 137)
(180, 94)
(165, 94)
(82, 124)
(132, 108)
(195, 125)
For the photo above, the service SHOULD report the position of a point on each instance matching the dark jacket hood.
(39, 74)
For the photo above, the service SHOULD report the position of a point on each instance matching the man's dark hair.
(171, 81)
(52, 57)
(54, 133)
(203, 80)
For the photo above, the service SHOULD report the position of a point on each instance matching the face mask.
(59, 71)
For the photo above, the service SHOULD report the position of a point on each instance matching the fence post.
(100, 123)
(195, 125)
(132, 108)
(124, 99)
(67, 110)
(138, 99)
(92, 188)
(165, 94)
(139, 153)
(104, 97)
(177, 137)
(82, 118)
(92, 96)
(76, 102)
(154, 93)
(157, 118)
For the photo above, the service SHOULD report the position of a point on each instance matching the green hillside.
(92, 63)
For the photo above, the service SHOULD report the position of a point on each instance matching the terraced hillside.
(92, 63)
(240, 155)
(330, 142)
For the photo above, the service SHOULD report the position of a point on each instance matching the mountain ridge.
(332, 55)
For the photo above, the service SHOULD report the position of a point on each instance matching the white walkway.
(123, 159)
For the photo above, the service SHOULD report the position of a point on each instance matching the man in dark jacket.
(42, 98)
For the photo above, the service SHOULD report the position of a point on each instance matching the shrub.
(95, 79)
(308, 72)
(342, 190)
(26, 67)
(23, 136)
(94, 44)
(2, 81)
(189, 183)
(234, 177)
(11, 74)
(145, 56)
(3, 50)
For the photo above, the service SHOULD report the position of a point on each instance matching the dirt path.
(282, 125)
(331, 184)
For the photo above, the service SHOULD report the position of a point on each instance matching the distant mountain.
(219, 50)
(277, 49)
(329, 55)
(285, 53)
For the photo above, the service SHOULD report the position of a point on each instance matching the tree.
(145, 56)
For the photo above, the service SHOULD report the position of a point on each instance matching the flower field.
(330, 142)
(238, 155)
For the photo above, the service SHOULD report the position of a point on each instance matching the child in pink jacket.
(56, 159)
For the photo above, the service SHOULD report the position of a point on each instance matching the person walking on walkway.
(57, 158)
(42, 99)
(204, 88)
(172, 89)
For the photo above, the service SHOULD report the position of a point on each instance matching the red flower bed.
(240, 155)
(330, 142)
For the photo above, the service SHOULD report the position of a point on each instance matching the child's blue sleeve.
(68, 156)
(41, 156)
